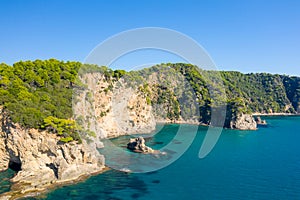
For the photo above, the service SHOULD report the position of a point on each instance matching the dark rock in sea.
(138, 145)
(155, 143)
(259, 121)
(135, 196)
(156, 181)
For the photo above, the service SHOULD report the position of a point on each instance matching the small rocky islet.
(138, 145)
(260, 121)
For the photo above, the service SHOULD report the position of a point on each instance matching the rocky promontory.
(243, 122)
(40, 160)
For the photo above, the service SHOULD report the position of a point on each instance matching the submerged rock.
(138, 145)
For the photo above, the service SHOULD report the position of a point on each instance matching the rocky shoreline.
(276, 114)
(15, 194)
(29, 182)
(240, 122)
(41, 161)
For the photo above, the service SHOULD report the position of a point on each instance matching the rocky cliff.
(40, 160)
(111, 108)
(134, 103)
(243, 122)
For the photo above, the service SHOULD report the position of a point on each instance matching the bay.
(262, 164)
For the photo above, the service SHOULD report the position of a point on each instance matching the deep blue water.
(262, 164)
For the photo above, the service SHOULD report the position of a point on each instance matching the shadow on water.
(263, 126)
(109, 185)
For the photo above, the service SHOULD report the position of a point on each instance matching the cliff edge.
(40, 160)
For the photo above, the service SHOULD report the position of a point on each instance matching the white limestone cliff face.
(112, 109)
(117, 111)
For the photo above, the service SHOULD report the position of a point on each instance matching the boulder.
(138, 145)
(243, 122)
(259, 121)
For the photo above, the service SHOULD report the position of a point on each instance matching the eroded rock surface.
(112, 108)
(243, 122)
(138, 145)
(259, 121)
(40, 160)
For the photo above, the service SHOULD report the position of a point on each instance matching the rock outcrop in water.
(259, 121)
(243, 122)
(40, 160)
(138, 145)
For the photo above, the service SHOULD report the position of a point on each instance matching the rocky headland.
(243, 122)
(41, 160)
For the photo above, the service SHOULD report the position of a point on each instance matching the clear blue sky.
(248, 36)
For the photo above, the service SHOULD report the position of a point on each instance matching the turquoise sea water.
(262, 164)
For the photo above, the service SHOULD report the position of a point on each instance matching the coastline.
(276, 114)
(188, 122)
(15, 194)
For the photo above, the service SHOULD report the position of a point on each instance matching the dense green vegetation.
(34, 92)
(261, 92)
(240, 93)
(38, 94)
(255, 92)
(292, 89)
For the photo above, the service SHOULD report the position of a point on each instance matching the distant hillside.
(241, 93)
(260, 92)
(264, 93)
